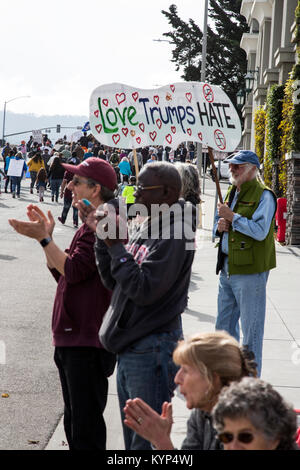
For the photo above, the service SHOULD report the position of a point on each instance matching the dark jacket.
(150, 279)
(201, 434)
(57, 172)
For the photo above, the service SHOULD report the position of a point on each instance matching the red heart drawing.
(138, 139)
(98, 128)
(142, 126)
(173, 129)
(153, 135)
(125, 131)
(156, 99)
(120, 97)
(189, 131)
(135, 95)
(189, 96)
(172, 88)
(96, 113)
(158, 123)
(116, 138)
(169, 138)
(200, 135)
(105, 102)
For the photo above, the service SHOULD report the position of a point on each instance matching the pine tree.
(226, 62)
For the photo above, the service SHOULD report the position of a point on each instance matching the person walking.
(245, 225)
(16, 180)
(124, 166)
(56, 174)
(67, 195)
(80, 303)
(34, 164)
(41, 183)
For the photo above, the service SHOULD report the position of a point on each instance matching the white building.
(270, 53)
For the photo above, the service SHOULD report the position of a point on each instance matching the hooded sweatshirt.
(149, 277)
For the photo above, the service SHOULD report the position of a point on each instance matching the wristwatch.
(45, 241)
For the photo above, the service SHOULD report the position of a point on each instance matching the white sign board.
(126, 117)
(15, 167)
(75, 136)
(37, 136)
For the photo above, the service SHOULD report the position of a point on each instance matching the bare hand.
(34, 211)
(146, 422)
(223, 225)
(37, 228)
(87, 214)
(225, 212)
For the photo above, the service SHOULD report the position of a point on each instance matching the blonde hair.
(215, 353)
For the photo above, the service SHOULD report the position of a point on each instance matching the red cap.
(97, 169)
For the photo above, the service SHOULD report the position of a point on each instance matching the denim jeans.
(33, 175)
(66, 208)
(243, 297)
(16, 184)
(55, 185)
(146, 370)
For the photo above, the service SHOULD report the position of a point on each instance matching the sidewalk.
(281, 356)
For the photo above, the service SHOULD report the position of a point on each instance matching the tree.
(226, 62)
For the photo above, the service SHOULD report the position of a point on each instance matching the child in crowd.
(128, 194)
(41, 183)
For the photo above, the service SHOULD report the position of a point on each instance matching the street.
(34, 405)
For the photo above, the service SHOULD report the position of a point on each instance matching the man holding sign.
(245, 224)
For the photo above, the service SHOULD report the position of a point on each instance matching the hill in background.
(27, 122)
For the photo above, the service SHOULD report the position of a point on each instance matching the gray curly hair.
(265, 408)
(190, 182)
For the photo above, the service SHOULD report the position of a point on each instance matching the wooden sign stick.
(136, 163)
(211, 157)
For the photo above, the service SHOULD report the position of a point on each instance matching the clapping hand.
(146, 422)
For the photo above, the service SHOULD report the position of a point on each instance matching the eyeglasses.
(140, 187)
(76, 181)
(244, 437)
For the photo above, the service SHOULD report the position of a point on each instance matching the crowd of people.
(120, 298)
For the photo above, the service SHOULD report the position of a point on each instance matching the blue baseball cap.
(243, 156)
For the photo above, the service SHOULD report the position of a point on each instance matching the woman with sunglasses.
(251, 415)
(208, 362)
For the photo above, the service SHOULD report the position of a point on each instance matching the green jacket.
(245, 254)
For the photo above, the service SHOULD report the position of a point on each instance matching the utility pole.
(203, 68)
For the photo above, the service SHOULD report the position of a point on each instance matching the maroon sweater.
(81, 299)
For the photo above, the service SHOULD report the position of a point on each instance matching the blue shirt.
(258, 226)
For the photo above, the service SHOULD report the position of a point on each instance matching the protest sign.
(37, 136)
(126, 117)
(15, 167)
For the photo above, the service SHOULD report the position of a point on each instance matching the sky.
(58, 51)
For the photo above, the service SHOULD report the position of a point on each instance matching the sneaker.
(13, 195)
(31, 191)
(61, 220)
(75, 226)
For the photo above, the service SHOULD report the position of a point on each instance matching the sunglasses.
(143, 188)
(76, 181)
(244, 437)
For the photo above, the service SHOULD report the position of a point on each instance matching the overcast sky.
(59, 51)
